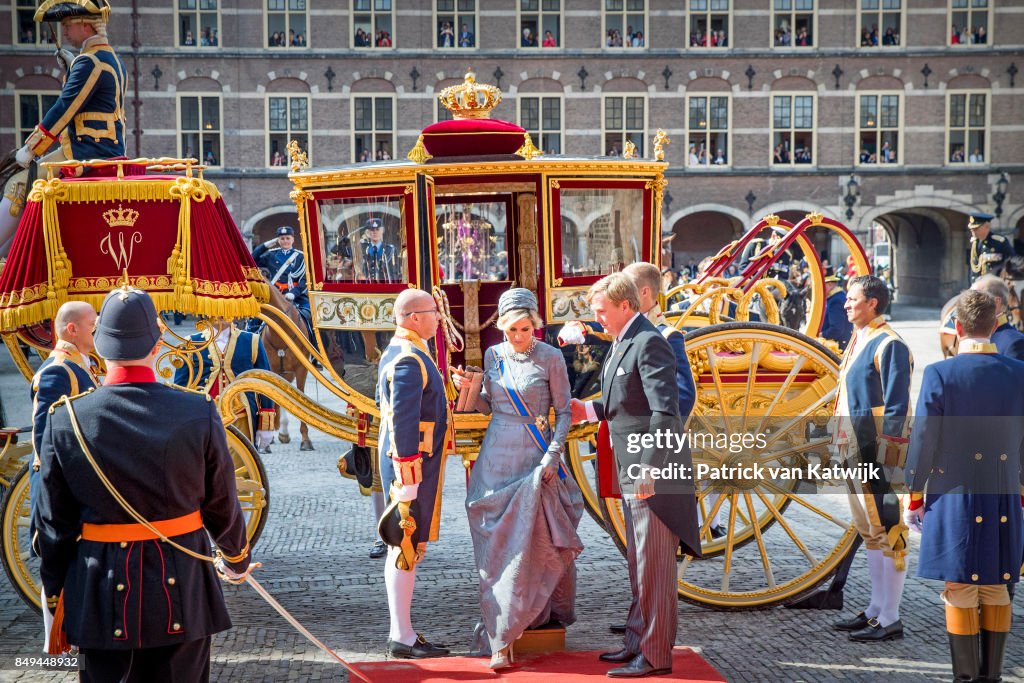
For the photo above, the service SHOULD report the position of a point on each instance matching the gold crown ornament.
(121, 216)
(470, 100)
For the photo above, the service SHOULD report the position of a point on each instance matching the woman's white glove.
(290, 296)
(270, 243)
(914, 518)
(405, 493)
(24, 157)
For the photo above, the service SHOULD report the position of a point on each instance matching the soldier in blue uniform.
(380, 258)
(88, 117)
(216, 365)
(988, 252)
(413, 439)
(286, 268)
(139, 609)
(872, 413)
(1008, 339)
(966, 449)
(836, 325)
(67, 371)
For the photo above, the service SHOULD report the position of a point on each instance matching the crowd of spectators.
(781, 155)
(382, 155)
(699, 38)
(967, 36)
(208, 38)
(887, 155)
(784, 37)
(614, 38)
(290, 39)
(699, 156)
(870, 37)
(446, 36)
(368, 39)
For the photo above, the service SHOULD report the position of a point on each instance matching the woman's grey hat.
(517, 298)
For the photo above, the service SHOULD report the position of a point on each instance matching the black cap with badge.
(127, 327)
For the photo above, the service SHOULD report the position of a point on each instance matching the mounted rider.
(286, 268)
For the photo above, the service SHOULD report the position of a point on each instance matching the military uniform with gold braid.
(130, 602)
(988, 253)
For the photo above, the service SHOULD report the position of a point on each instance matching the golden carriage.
(477, 209)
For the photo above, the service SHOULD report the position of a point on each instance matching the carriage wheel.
(767, 379)
(15, 512)
(581, 459)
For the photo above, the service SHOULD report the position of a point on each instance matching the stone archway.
(702, 234)
(266, 227)
(929, 253)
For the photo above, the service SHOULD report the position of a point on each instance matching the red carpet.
(561, 667)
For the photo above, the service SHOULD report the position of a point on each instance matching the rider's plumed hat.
(127, 328)
(58, 10)
(518, 298)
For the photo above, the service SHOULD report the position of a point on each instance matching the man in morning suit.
(1008, 339)
(413, 440)
(639, 394)
(139, 609)
(966, 449)
(216, 364)
(872, 424)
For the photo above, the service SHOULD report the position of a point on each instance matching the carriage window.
(364, 240)
(602, 230)
(473, 241)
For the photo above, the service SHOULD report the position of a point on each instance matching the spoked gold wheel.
(581, 458)
(782, 538)
(251, 482)
(21, 565)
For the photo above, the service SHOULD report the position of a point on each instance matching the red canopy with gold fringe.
(171, 234)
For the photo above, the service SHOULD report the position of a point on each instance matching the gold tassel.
(419, 153)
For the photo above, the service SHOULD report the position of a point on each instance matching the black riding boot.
(993, 648)
(965, 654)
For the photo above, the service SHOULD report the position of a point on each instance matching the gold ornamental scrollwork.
(53, 189)
(815, 217)
(553, 184)
(528, 150)
(771, 219)
(629, 150)
(661, 141)
(300, 159)
(300, 197)
(409, 189)
(189, 188)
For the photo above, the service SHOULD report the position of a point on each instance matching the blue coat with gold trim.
(244, 351)
(1009, 341)
(88, 117)
(684, 377)
(291, 264)
(837, 326)
(966, 453)
(165, 451)
(414, 420)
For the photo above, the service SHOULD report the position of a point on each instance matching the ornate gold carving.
(121, 216)
(771, 219)
(409, 189)
(470, 100)
(552, 183)
(661, 141)
(419, 154)
(471, 321)
(526, 232)
(300, 159)
(815, 217)
(353, 311)
(528, 151)
(570, 304)
(629, 150)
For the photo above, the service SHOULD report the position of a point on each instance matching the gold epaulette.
(191, 391)
(68, 399)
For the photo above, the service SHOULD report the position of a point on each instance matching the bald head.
(416, 310)
(75, 322)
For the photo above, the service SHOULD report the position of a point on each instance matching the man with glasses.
(413, 440)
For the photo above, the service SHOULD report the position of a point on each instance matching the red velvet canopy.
(476, 137)
(171, 235)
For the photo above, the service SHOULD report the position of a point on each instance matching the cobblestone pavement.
(314, 554)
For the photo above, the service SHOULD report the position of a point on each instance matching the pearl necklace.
(521, 357)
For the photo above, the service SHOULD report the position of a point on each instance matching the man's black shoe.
(378, 550)
(617, 628)
(874, 632)
(855, 624)
(421, 649)
(638, 668)
(619, 657)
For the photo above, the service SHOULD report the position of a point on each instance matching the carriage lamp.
(1002, 185)
(852, 192)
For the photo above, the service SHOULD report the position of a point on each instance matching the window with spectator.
(456, 23)
(880, 23)
(707, 131)
(198, 23)
(26, 30)
(709, 23)
(541, 116)
(625, 119)
(970, 21)
(624, 23)
(792, 130)
(540, 23)
(199, 123)
(287, 119)
(793, 23)
(879, 124)
(31, 108)
(967, 128)
(373, 126)
(287, 23)
(373, 24)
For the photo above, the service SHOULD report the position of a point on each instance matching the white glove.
(572, 333)
(405, 493)
(24, 157)
(264, 438)
(914, 518)
(230, 575)
(270, 243)
(289, 296)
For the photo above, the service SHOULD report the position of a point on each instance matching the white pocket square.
(619, 372)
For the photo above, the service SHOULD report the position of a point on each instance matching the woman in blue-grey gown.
(523, 506)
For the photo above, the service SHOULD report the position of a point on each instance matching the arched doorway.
(266, 228)
(928, 253)
(702, 234)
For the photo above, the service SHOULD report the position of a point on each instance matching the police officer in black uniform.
(140, 609)
(988, 252)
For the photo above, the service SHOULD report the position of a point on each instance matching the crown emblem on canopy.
(121, 216)
(470, 100)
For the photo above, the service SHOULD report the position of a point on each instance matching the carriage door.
(367, 242)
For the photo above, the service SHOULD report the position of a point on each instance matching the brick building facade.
(902, 113)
